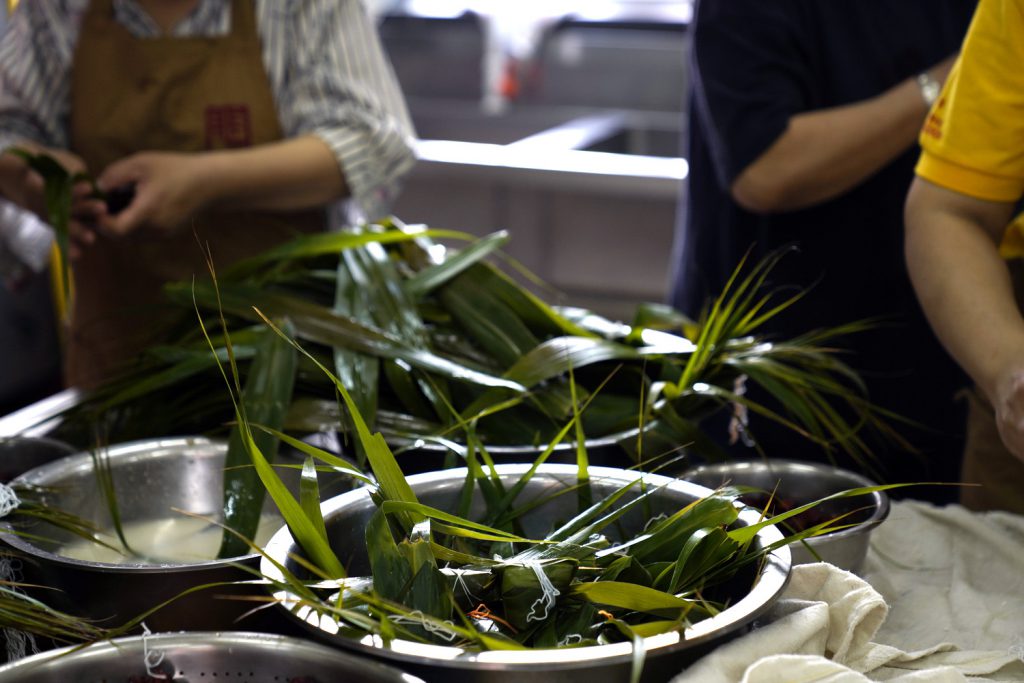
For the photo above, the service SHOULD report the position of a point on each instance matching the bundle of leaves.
(442, 345)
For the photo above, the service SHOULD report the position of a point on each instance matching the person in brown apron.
(183, 95)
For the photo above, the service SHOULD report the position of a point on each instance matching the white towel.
(955, 581)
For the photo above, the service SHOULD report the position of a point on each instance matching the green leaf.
(57, 187)
(391, 572)
(319, 324)
(267, 394)
(309, 496)
(630, 597)
(439, 273)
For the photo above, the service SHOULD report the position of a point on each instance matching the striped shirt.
(328, 74)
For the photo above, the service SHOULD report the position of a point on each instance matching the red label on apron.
(227, 126)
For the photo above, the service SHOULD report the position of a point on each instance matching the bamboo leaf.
(309, 497)
(630, 596)
(437, 274)
(426, 511)
(320, 244)
(319, 324)
(57, 186)
(266, 396)
(385, 468)
(391, 573)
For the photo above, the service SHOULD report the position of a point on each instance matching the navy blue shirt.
(756, 63)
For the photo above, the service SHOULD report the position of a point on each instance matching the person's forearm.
(292, 174)
(961, 281)
(824, 153)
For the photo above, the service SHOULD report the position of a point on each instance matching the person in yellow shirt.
(970, 180)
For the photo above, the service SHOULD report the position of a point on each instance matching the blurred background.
(558, 120)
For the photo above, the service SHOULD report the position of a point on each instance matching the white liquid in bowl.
(179, 540)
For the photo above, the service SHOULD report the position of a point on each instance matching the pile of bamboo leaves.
(442, 345)
(439, 345)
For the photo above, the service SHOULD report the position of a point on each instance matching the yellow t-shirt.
(973, 139)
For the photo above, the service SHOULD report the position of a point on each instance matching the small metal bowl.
(183, 657)
(797, 483)
(151, 478)
(346, 517)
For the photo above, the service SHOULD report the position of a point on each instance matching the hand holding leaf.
(66, 191)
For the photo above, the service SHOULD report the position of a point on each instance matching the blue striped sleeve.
(332, 79)
(35, 78)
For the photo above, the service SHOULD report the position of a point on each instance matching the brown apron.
(166, 93)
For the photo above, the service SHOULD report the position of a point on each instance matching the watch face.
(930, 88)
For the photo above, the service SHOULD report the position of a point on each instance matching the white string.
(460, 582)
(17, 642)
(548, 592)
(657, 519)
(151, 658)
(740, 420)
(9, 500)
(571, 639)
(417, 618)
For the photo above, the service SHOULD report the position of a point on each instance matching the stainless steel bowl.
(346, 517)
(801, 482)
(151, 479)
(193, 657)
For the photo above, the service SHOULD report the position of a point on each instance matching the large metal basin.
(346, 517)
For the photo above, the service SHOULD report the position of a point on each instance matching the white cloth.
(953, 580)
(25, 240)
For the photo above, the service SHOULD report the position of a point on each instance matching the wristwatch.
(930, 88)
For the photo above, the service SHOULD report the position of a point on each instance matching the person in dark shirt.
(804, 116)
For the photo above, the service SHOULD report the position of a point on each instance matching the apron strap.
(243, 19)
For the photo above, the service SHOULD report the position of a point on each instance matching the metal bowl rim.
(203, 640)
(614, 439)
(768, 587)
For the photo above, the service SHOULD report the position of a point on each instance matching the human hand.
(167, 192)
(23, 185)
(1008, 403)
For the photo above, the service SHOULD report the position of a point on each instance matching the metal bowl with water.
(798, 482)
(346, 517)
(193, 657)
(153, 479)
